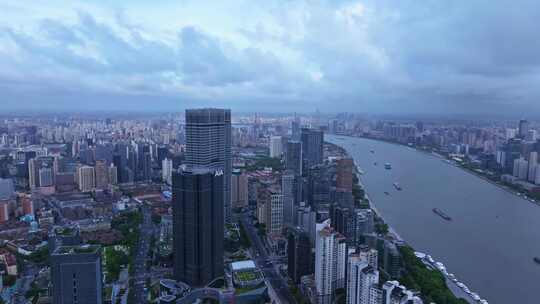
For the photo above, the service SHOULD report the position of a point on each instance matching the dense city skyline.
(283, 152)
(387, 57)
(213, 204)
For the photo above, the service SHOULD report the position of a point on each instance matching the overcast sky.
(358, 56)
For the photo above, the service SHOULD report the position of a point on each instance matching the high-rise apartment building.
(46, 177)
(239, 189)
(521, 168)
(33, 179)
(272, 202)
(532, 136)
(352, 222)
(208, 143)
(344, 174)
(86, 178)
(306, 218)
(330, 262)
(166, 171)
(76, 275)
(198, 225)
(533, 163)
(288, 189)
(370, 255)
(276, 146)
(34, 167)
(362, 280)
(113, 174)
(102, 174)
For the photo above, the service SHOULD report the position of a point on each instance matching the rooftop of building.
(78, 249)
(243, 265)
(65, 231)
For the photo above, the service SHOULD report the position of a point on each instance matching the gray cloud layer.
(383, 56)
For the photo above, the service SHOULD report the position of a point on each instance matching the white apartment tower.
(330, 258)
(274, 214)
(533, 163)
(166, 173)
(361, 281)
(86, 178)
(276, 146)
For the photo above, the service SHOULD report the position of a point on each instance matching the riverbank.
(450, 161)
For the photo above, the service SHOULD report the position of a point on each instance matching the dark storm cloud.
(413, 56)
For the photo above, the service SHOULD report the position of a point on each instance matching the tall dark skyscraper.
(143, 162)
(162, 153)
(198, 225)
(208, 144)
(298, 254)
(76, 275)
(312, 147)
(317, 192)
(146, 172)
(523, 128)
(293, 157)
(295, 128)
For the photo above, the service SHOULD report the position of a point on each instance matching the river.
(493, 236)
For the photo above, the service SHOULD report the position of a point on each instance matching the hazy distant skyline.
(358, 56)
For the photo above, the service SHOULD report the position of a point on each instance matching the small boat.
(397, 186)
(375, 163)
(372, 151)
(387, 166)
(440, 213)
(536, 260)
(386, 192)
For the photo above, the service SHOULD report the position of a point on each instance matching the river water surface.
(492, 238)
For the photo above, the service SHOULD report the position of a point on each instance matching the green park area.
(431, 283)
